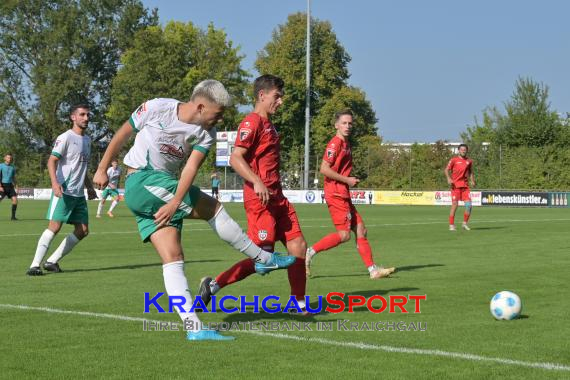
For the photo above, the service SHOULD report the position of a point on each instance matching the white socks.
(64, 248)
(176, 285)
(100, 207)
(113, 205)
(43, 246)
(229, 231)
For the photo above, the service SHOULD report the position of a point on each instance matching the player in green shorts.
(112, 189)
(67, 167)
(171, 135)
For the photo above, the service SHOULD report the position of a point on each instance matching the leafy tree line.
(114, 55)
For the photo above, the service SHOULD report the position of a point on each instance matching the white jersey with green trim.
(73, 151)
(114, 176)
(163, 142)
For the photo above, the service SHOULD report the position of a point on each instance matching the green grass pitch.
(523, 250)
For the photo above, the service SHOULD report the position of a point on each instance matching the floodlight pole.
(308, 98)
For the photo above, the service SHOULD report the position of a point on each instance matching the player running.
(169, 134)
(336, 167)
(461, 168)
(112, 189)
(67, 167)
(270, 216)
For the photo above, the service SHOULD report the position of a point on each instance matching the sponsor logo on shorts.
(262, 234)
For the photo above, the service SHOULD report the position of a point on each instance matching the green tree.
(285, 56)
(322, 125)
(168, 62)
(59, 52)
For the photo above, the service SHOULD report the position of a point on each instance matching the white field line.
(191, 228)
(325, 342)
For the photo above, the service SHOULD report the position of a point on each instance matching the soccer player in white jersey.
(67, 167)
(112, 189)
(172, 134)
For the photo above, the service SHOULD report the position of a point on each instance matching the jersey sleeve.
(142, 114)
(60, 146)
(206, 142)
(331, 152)
(248, 132)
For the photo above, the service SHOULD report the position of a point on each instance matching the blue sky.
(428, 67)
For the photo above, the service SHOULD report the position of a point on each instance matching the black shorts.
(215, 191)
(8, 191)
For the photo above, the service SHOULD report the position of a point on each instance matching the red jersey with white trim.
(460, 169)
(339, 156)
(260, 138)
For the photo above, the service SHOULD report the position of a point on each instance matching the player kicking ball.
(112, 189)
(461, 168)
(336, 167)
(170, 135)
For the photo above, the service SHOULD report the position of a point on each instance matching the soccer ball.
(506, 305)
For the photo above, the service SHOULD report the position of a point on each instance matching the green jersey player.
(112, 189)
(67, 167)
(170, 135)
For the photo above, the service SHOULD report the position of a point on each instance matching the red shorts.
(460, 194)
(277, 221)
(343, 213)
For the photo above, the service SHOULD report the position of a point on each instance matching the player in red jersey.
(270, 216)
(336, 167)
(461, 168)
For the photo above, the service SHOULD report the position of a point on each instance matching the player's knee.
(344, 236)
(303, 246)
(81, 232)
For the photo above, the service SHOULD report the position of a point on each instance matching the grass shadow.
(136, 266)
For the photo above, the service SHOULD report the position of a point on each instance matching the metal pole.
(410, 168)
(308, 96)
(500, 166)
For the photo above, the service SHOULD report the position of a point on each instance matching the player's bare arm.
(471, 178)
(52, 168)
(164, 214)
(327, 171)
(238, 163)
(449, 180)
(117, 142)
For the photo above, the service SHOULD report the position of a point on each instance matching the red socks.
(236, 273)
(451, 220)
(328, 242)
(365, 251)
(297, 279)
(466, 217)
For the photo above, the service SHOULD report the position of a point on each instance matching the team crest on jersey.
(262, 234)
(244, 132)
(141, 109)
(330, 153)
